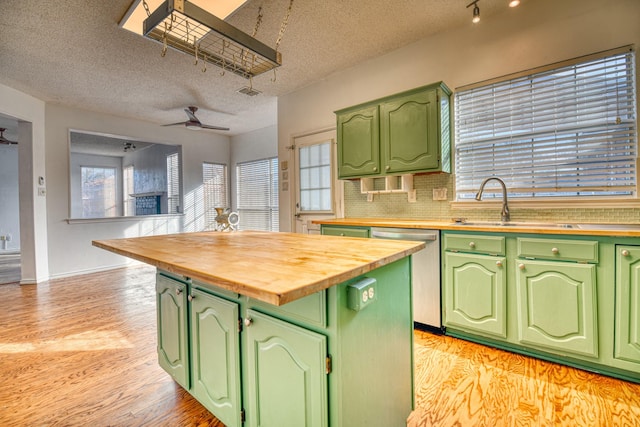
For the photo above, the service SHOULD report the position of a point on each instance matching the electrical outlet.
(440, 193)
(361, 293)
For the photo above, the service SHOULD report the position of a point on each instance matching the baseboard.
(65, 275)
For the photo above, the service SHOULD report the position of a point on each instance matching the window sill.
(548, 204)
(137, 218)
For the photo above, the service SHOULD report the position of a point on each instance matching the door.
(286, 370)
(359, 142)
(409, 133)
(215, 356)
(171, 303)
(556, 304)
(318, 194)
(475, 293)
(627, 338)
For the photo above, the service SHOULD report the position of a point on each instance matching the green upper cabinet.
(404, 133)
(359, 151)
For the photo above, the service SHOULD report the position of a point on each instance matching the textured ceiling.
(74, 53)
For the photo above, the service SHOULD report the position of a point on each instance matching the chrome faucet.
(505, 206)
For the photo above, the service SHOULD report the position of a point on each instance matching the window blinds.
(257, 194)
(173, 183)
(564, 131)
(214, 186)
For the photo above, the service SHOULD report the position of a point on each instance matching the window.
(214, 184)
(173, 183)
(98, 192)
(561, 131)
(315, 178)
(129, 201)
(257, 195)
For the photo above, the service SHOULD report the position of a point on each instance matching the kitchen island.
(282, 329)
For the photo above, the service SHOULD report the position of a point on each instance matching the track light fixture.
(476, 11)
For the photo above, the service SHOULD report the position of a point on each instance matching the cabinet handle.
(178, 291)
(375, 169)
(521, 266)
(191, 298)
(342, 234)
(388, 167)
(248, 321)
(555, 251)
(625, 252)
(472, 245)
(499, 263)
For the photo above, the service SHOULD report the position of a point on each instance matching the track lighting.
(514, 3)
(476, 11)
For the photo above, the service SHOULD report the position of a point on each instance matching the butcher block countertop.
(276, 268)
(569, 228)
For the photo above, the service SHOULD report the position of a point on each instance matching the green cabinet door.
(286, 371)
(409, 135)
(358, 142)
(215, 353)
(173, 340)
(475, 293)
(556, 304)
(627, 317)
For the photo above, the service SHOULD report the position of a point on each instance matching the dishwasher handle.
(406, 235)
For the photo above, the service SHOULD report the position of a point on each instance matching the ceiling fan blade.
(175, 124)
(191, 114)
(213, 127)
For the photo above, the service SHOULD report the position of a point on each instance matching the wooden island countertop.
(273, 267)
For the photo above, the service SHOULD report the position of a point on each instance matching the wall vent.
(249, 91)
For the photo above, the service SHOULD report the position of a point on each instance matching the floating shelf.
(392, 184)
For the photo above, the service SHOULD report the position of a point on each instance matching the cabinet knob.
(342, 234)
(499, 263)
(375, 169)
(521, 266)
(178, 291)
(248, 321)
(625, 252)
(191, 298)
(388, 167)
(555, 251)
(472, 245)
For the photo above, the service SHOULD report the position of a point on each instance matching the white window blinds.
(315, 178)
(214, 186)
(257, 194)
(560, 131)
(173, 183)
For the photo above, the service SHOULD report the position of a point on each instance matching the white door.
(318, 194)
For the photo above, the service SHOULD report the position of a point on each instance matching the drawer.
(308, 311)
(474, 243)
(561, 250)
(346, 231)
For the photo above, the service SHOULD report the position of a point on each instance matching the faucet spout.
(505, 205)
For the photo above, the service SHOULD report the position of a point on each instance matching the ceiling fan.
(4, 140)
(193, 122)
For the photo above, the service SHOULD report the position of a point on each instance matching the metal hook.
(273, 80)
(204, 63)
(223, 67)
(196, 46)
(164, 41)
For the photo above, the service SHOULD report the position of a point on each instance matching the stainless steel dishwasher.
(425, 272)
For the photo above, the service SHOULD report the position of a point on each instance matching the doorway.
(10, 256)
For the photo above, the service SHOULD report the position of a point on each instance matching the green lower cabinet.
(286, 368)
(557, 307)
(173, 340)
(346, 231)
(627, 313)
(475, 293)
(215, 356)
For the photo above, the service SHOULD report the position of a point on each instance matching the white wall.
(9, 201)
(535, 33)
(70, 249)
(259, 144)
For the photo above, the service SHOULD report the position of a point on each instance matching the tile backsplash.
(396, 205)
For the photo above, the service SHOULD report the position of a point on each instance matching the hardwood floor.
(81, 351)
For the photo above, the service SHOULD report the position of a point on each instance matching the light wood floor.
(81, 351)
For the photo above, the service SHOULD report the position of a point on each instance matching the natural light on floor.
(85, 341)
